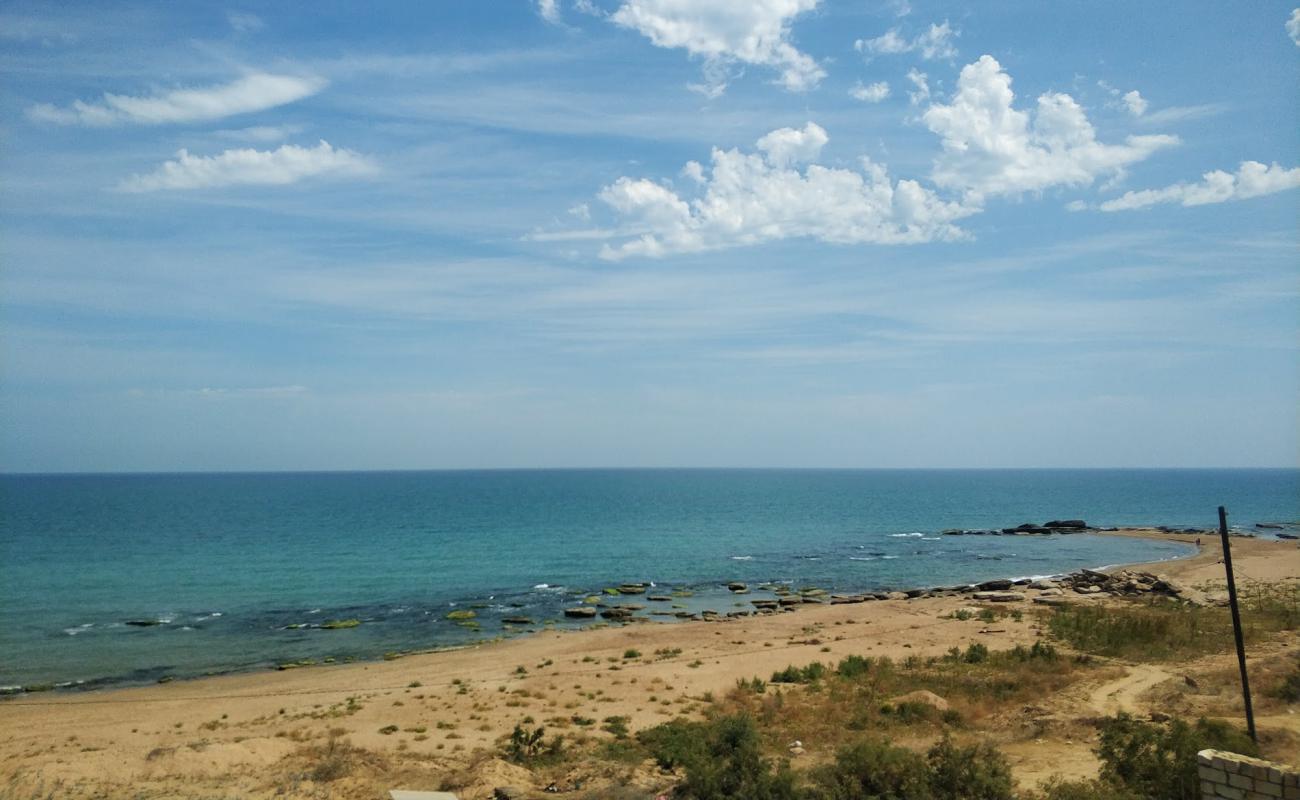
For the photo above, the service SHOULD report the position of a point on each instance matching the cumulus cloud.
(725, 33)
(549, 10)
(777, 193)
(255, 91)
(1293, 27)
(991, 148)
(873, 93)
(1135, 103)
(934, 42)
(1252, 179)
(284, 165)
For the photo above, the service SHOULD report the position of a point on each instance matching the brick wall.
(1228, 776)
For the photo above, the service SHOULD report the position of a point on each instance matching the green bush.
(809, 674)
(722, 760)
(978, 772)
(1159, 761)
(674, 744)
(529, 747)
(872, 769)
(853, 666)
(1289, 690)
(976, 654)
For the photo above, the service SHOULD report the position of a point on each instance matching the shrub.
(809, 674)
(674, 744)
(872, 770)
(978, 772)
(630, 653)
(853, 666)
(976, 654)
(528, 747)
(1289, 690)
(729, 765)
(1160, 761)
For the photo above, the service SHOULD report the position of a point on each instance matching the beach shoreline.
(109, 683)
(242, 722)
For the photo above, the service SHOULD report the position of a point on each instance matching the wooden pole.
(1236, 623)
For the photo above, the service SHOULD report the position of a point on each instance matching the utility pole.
(1236, 623)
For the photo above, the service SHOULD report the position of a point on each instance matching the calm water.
(227, 562)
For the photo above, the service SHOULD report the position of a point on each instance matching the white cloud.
(256, 91)
(750, 198)
(873, 93)
(1252, 179)
(991, 148)
(1293, 27)
(284, 165)
(934, 42)
(724, 33)
(243, 22)
(1135, 103)
(918, 79)
(549, 11)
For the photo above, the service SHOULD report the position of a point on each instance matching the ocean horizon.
(134, 577)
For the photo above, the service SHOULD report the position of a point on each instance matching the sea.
(129, 579)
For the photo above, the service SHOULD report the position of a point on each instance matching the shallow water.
(227, 563)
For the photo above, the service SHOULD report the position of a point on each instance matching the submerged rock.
(580, 612)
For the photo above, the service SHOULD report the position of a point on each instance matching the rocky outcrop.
(580, 612)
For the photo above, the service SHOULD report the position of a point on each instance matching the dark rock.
(659, 598)
(737, 586)
(995, 585)
(617, 612)
(632, 588)
(912, 594)
(517, 620)
(1073, 524)
(509, 793)
(143, 623)
(580, 612)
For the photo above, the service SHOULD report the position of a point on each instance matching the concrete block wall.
(1228, 776)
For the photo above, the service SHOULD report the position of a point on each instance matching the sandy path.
(1122, 693)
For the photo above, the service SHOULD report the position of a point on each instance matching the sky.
(582, 233)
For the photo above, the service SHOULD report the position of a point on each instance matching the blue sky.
(649, 233)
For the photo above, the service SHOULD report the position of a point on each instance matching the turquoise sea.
(226, 563)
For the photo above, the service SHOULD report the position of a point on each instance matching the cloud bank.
(724, 33)
(991, 148)
(256, 91)
(246, 167)
(749, 198)
(1252, 179)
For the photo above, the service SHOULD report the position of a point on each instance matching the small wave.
(186, 628)
(914, 534)
(889, 556)
(862, 558)
(931, 538)
(547, 587)
(79, 629)
(742, 558)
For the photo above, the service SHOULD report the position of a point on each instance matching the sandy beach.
(426, 717)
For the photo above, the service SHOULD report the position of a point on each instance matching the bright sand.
(105, 739)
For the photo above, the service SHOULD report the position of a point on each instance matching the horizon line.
(413, 470)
